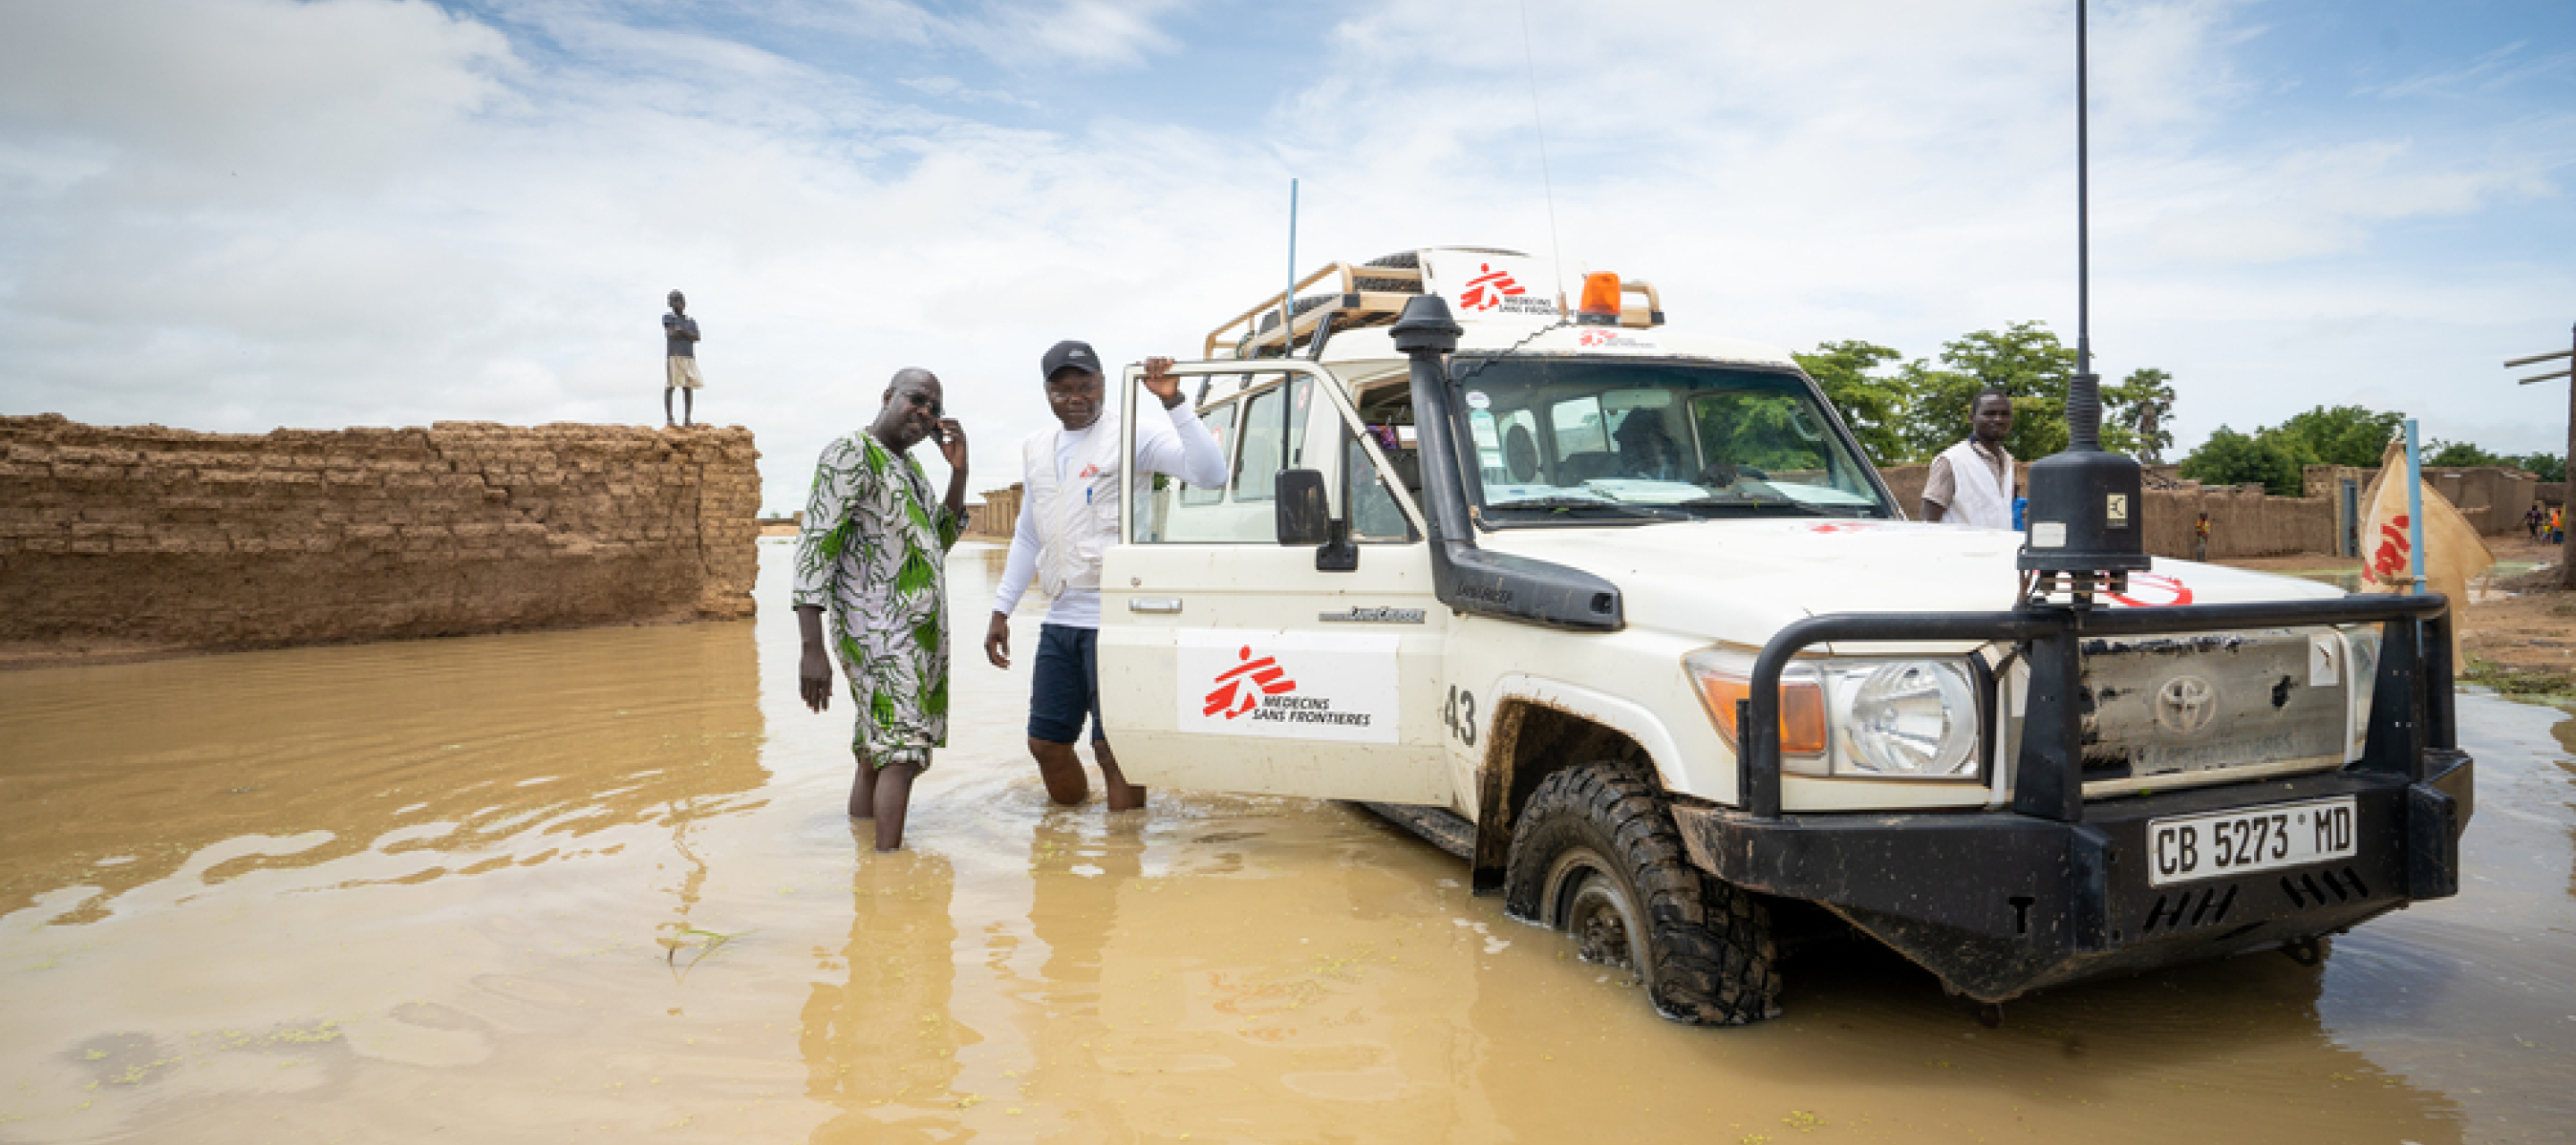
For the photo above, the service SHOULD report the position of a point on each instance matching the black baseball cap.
(1066, 355)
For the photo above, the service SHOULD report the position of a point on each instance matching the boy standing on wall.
(680, 360)
(1068, 520)
(871, 550)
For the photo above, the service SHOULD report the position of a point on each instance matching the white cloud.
(339, 88)
(430, 223)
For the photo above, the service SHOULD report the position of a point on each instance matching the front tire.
(1595, 855)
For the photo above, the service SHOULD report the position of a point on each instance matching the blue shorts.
(1067, 687)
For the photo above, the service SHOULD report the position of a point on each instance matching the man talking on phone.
(872, 551)
(1068, 520)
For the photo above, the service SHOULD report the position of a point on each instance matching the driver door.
(1230, 662)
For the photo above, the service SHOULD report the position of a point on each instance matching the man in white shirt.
(1068, 520)
(1971, 483)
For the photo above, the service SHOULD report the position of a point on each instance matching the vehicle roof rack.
(1368, 294)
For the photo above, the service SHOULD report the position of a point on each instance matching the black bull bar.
(2048, 890)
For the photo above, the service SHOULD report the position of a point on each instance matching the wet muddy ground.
(598, 886)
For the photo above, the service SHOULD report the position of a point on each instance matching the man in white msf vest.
(1068, 520)
(1971, 483)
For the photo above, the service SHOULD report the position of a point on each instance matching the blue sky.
(239, 214)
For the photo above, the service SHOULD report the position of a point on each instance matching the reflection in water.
(2564, 731)
(1079, 864)
(471, 754)
(880, 1046)
(237, 910)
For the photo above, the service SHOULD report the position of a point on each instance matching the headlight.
(1914, 718)
(1892, 719)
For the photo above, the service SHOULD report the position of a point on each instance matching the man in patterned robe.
(871, 552)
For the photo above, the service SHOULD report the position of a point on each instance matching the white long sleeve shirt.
(1180, 446)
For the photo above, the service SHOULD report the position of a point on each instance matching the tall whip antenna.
(1547, 182)
(2086, 526)
(2084, 404)
(1288, 297)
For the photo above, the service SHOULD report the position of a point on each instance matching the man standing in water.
(1068, 519)
(680, 360)
(1971, 483)
(871, 551)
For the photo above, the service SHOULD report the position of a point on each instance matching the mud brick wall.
(153, 538)
(2492, 498)
(2242, 522)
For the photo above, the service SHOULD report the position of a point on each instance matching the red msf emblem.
(1088, 472)
(1233, 698)
(1486, 291)
(2390, 563)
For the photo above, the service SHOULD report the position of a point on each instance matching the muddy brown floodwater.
(598, 886)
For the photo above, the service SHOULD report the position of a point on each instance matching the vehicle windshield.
(1560, 441)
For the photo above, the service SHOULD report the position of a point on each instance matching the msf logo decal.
(1488, 289)
(1236, 688)
(1262, 690)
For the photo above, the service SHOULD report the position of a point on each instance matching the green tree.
(2440, 452)
(2548, 466)
(2025, 360)
(2232, 458)
(2344, 435)
(1873, 406)
(2125, 407)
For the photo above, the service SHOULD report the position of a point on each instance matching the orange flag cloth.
(2453, 554)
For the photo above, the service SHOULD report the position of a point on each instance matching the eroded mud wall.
(2242, 523)
(142, 538)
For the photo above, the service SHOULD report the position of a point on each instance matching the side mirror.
(1304, 518)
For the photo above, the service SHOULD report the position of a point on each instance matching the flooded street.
(598, 885)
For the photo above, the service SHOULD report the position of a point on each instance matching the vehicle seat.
(1577, 468)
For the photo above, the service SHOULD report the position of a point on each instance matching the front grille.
(2189, 705)
(2322, 886)
(2207, 906)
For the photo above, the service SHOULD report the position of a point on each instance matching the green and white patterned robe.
(871, 555)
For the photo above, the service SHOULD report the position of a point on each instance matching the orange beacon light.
(1600, 305)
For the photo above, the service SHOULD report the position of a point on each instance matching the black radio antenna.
(2086, 526)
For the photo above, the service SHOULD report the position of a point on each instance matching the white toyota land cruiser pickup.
(1524, 580)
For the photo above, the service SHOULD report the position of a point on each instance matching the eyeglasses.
(937, 407)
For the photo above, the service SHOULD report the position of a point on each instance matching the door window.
(1220, 425)
(1376, 518)
(1273, 437)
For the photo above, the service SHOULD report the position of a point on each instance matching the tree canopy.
(2025, 361)
(2232, 458)
(1903, 411)
(2124, 415)
(2343, 435)
(1874, 407)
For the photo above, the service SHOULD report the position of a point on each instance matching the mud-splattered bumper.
(1998, 903)
(2055, 887)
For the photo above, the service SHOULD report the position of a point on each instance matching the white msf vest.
(1974, 500)
(1076, 512)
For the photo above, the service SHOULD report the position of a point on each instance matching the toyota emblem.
(2185, 705)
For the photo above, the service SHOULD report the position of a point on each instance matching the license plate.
(2187, 848)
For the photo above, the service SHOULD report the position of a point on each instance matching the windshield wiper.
(1652, 512)
(1741, 502)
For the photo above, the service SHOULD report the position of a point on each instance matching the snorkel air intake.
(1463, 576)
